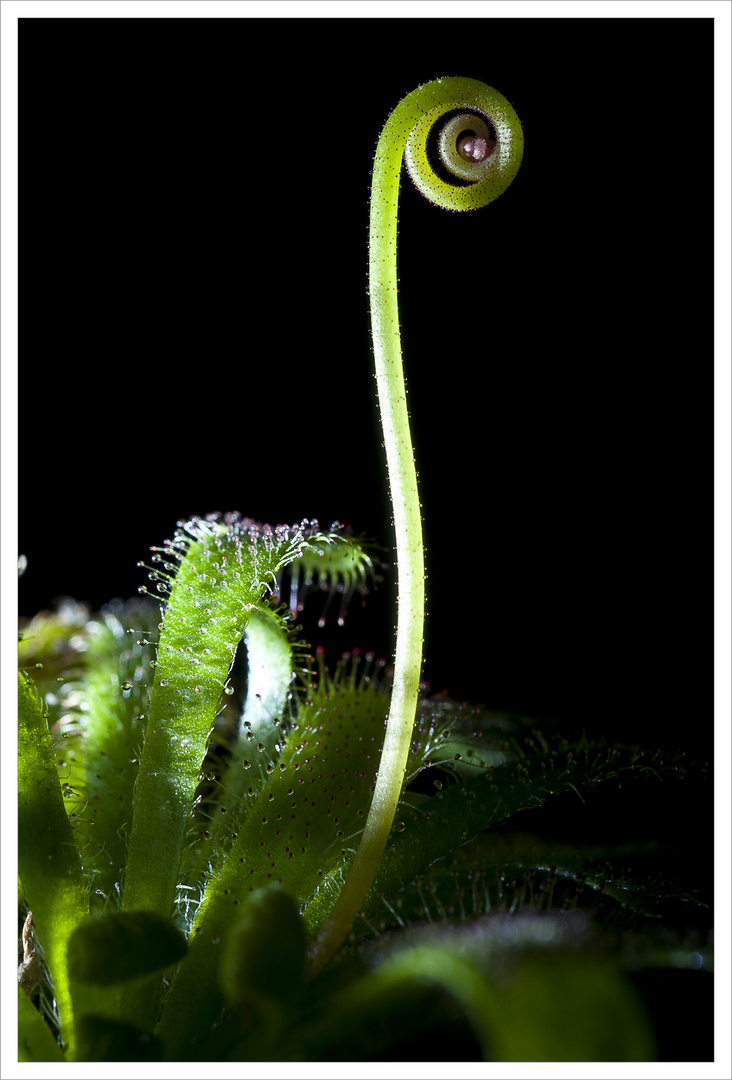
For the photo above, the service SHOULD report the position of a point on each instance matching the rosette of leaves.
(185, 832)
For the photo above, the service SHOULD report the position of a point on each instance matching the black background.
(194, 335)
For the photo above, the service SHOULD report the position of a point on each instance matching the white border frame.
(721, 12)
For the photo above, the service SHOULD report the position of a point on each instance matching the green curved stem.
(407, 129)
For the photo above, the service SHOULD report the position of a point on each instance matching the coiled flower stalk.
(462, 143)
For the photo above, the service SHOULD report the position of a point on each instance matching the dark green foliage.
(123, 945)
(103, 1039)
(520, 870)
(264, 955)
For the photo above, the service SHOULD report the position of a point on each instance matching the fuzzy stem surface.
(407, 129)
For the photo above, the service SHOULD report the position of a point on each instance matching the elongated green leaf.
(262, 725)
(299, 831)
(48, 862)
(105, 740)
(569, 1007)
(535, 1002)
(224, 570)
(625, 885)
(35, 1041)
(397, 1014)
(215, 572)
(458, 813)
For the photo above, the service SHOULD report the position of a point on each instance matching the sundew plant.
(228, 852)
